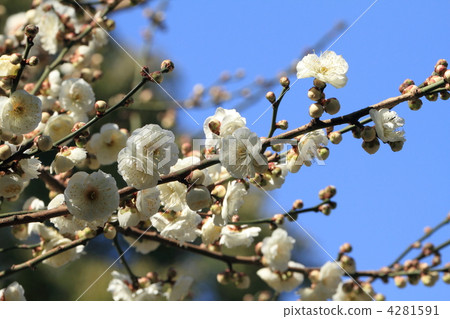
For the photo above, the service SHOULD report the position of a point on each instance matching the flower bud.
(447, 76)
(405, 84)
(277, 147)
(198, 197)
(356, 132)
(332, 106)
(348, 264)
(345, 248)
(282, 125)
(442, 62)
(379, 297)
(243, 281)
(315, 110)
(314, 276)
(215, 209)
(284, 81)
(372, 146)
(109, 231)
(196, 177)
(214, 126)
(33, 61)
(444, 95)
(430, 279)
(167, 66)
(432, 97)
(278, 219)
(100, 107)
(31, 31)
(219, 191)
(415, 105)
(319, 84)
(325, 209)
(335, 137)
(298, 204)
(223, 278)
(270, 96)
(5, 152)
(396, 146)
(368, 133)
(323, 153)
(400, 281)
(16, 139)
(440, 69)
(157, 77)
(15, 58)
(314, 94)
(44, 143)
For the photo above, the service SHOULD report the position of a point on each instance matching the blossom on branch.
(13, 292)
(328, 67)
(277, 248)
(282, 281)
(387, 125)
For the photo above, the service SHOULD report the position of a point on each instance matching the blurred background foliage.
(120, 74)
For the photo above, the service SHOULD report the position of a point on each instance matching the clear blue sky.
(384, 200)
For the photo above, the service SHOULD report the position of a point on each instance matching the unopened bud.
(298, 204)
(323, 153)
(430, 279)
(31, 31)
(400, 281)
(216, 209)
(442, 62)
(109, 231)
(44, 143)
(315, 110)
(157, 77)
(5, 152)
(198, 197)
(243, 281)
(223, 278)
(325, 209)
(219, 191)
(214, 126)
(356, 132)
(314, 276)
(284, 81)
(345, 248)
(319, 84)
(33, 61)
(368, 133)
(405, 84)
(15, 58)
(270, 96)
(440, 69)
(100, 107)
(332, 106)
(432, 97)
(196, 177)
(447, 76)
(415, 105)
(372, 146)
(444, 95)
(110, 24)
(278, 219)
(167, 66)
(379, 297)
(314, 94)
(335, 137)
(282, 125)
(396, 146)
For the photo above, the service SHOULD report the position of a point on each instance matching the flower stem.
(133, 277)
(23, 63)
(22, 246)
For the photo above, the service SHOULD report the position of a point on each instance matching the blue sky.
(384, 200)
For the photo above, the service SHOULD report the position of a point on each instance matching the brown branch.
(34, 217)
(51, 181)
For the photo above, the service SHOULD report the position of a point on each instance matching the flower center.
(91, 194)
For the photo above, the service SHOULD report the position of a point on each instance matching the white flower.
(233, 200)
(233, 237)
(224, 122)
(282, 282)
(120, 285)
(58, 126)
(277, 248)
(33, 203)
(49, 26)
(13, 292)
(309, 143)
(210, 232)
(76, 95)
(150, 151)
(7, 69)
(181, 288)
(352, 295)
(14, 23)
(107, 144)
(92, 197)
(21, 113)
(10, 185)
(241, 154)
(66, 224)
(328, 282)
(143, 246)
(67, 158)
(387, 124)
(54, 78)
(148, 201)
(329, 67)
(173, 194)
(181, 226)
(30, 168)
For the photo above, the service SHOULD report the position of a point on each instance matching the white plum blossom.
(234, 237)
(68, 224)
(51, 239)
(241, 154)
(233, 200)
(7, 69)
(120, 286)
(14, 23)
(54, 79)
(148, 201)
(76, 95)
(210, 232)
(329, 67)
(224, 122)
(282, 281)
(30, 168)
(142, 246)
(67, 158)
(107, 144)
(180, 289)
(181, 226)
(13, 292)
(58, 126)
(327, 284)
(387, 125)
(173, 194)
(150, 151)
(309, 143)
(277, 248)
(11, 185)
(49, 26)
(92, 197)
(21, 113)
